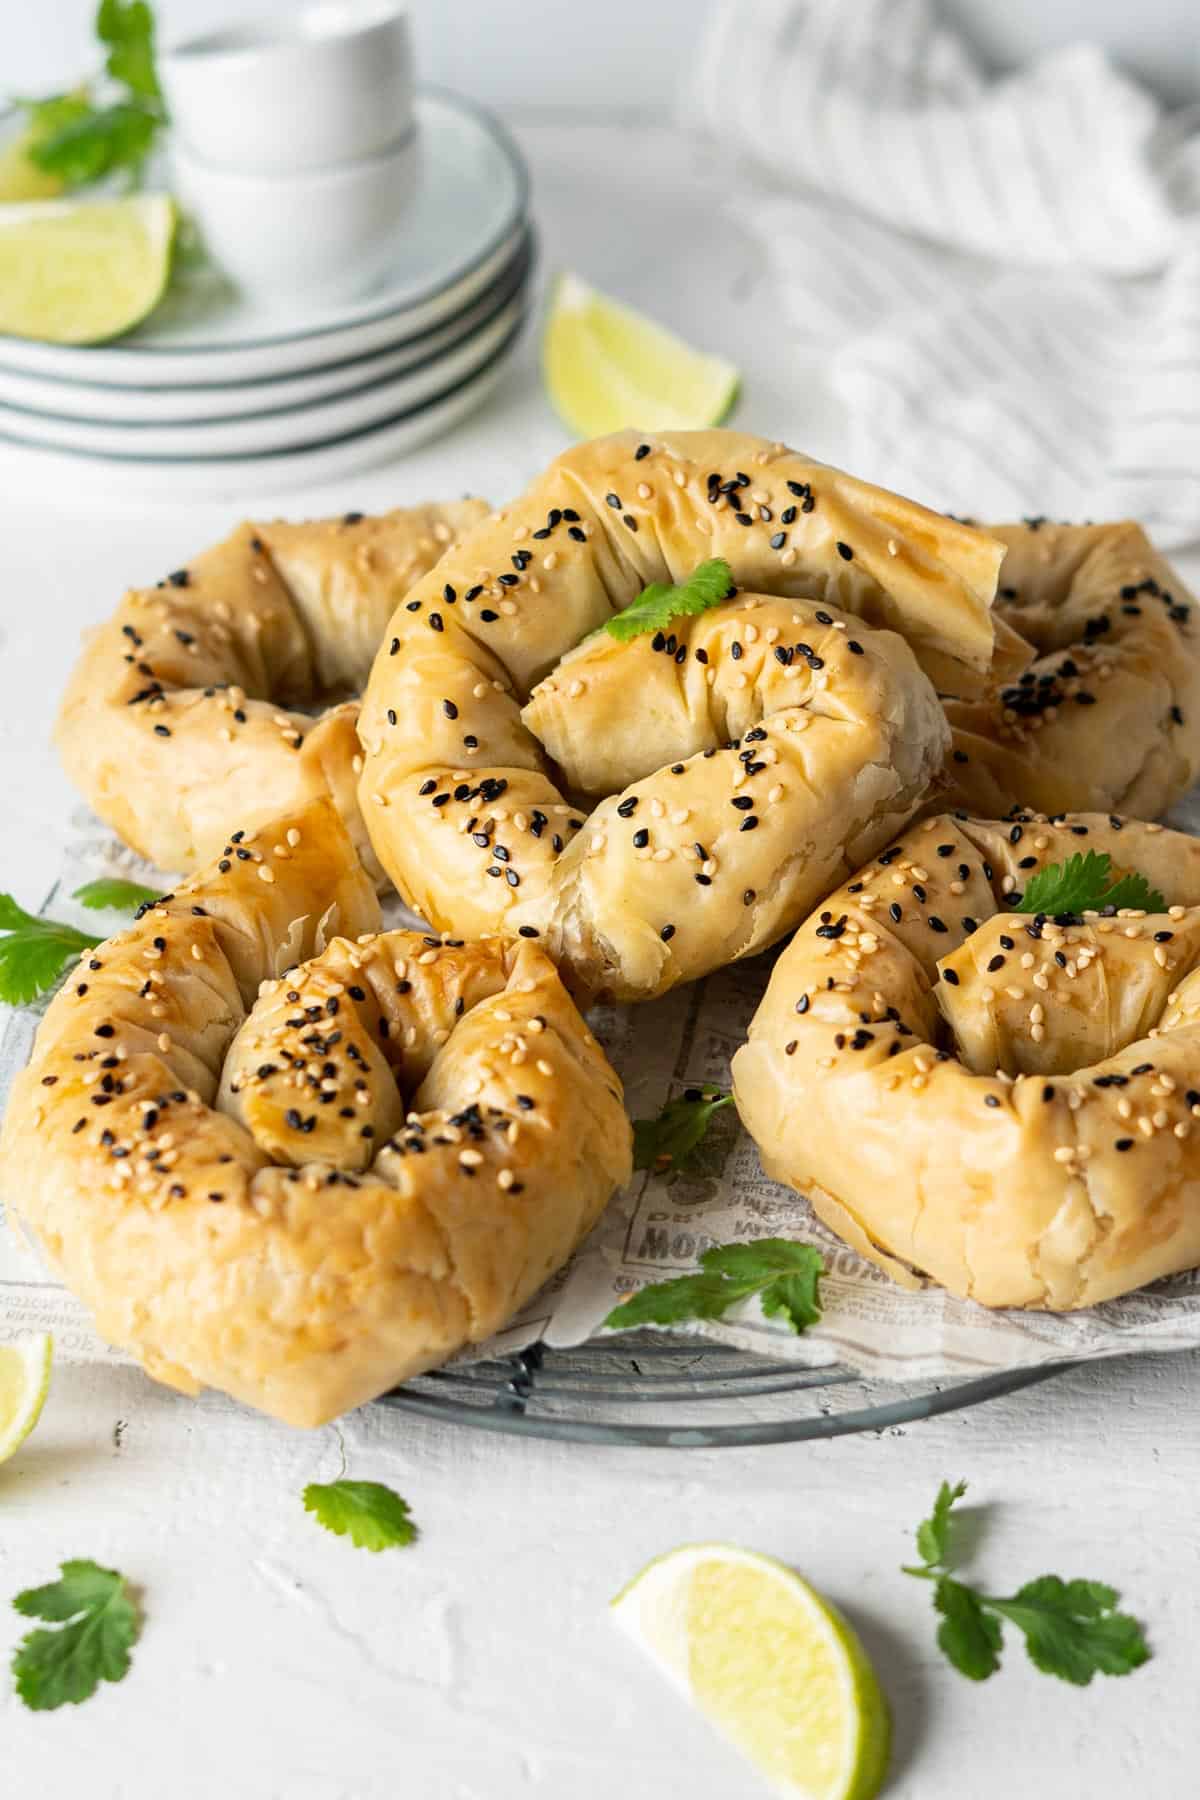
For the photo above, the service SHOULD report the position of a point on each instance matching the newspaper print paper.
(656, 1227)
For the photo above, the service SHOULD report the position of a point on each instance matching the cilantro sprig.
(372, 1516)
(1071, 1628)
(661, 602)
(783, 1274)
(1084, 883)
(34, 951)
(668, 1143)
(82, 138)
(97, 1628)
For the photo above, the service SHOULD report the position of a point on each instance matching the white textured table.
(277, 1663)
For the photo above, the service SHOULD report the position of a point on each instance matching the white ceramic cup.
(324, 236)
(325, 84)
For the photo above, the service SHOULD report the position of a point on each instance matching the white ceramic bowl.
(325, 84)
(326, 234)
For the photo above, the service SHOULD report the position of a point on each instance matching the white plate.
(466, 222)
(270, 433)
(166, 404)
(170, 405)
(238, 477)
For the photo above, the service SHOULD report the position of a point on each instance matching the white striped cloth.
(998, 280)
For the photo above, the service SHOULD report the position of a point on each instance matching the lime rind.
(759, 1648)
(83, 272)
(607, 367)
(24, 1383)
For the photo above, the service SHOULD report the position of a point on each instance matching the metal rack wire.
(683, 1394)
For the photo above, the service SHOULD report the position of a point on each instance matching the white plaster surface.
(278, 1663)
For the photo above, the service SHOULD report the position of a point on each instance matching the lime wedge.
(20, 177)
(24, 1384)
(771, 1664)
(607, 367)
(80, 271)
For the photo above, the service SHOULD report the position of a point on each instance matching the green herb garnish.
(97, 1627)
(371, 1515)
(34, 952)
(667, 1142)
(659, 603)
(80, 139)
(1071, 1628)
(111, 895)
(783, 1274)
(1084, 883)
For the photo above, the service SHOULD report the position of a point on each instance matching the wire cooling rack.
(640, 1389)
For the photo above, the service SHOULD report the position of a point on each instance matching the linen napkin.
(997, 280)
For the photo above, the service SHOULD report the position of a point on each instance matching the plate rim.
(474, 347)
(517, 282)
(489, 125)
(117, 459)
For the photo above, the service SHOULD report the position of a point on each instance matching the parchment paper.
(656, 1227)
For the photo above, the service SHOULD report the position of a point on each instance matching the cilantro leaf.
(1084, 883)
(111, 895)
(668, 1141)
(933, 1533)
(127, 28)
(1071, 1628)
(371, 1515)
(784, 1275)
(34, 952)
(98, 1626)
(967, 1636)
(79, 139)
(95, 142)
(659, 603)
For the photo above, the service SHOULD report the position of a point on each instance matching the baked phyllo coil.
(228, 691)
(654, 808)
(1109, 713)
(281, 1152)
(1003, 1099)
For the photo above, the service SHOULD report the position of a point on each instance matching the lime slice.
(767, 1661)
(607, 367)
(80, 271)
(20, 177)
(24, 1384)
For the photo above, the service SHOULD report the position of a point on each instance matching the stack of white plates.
(214, 394)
